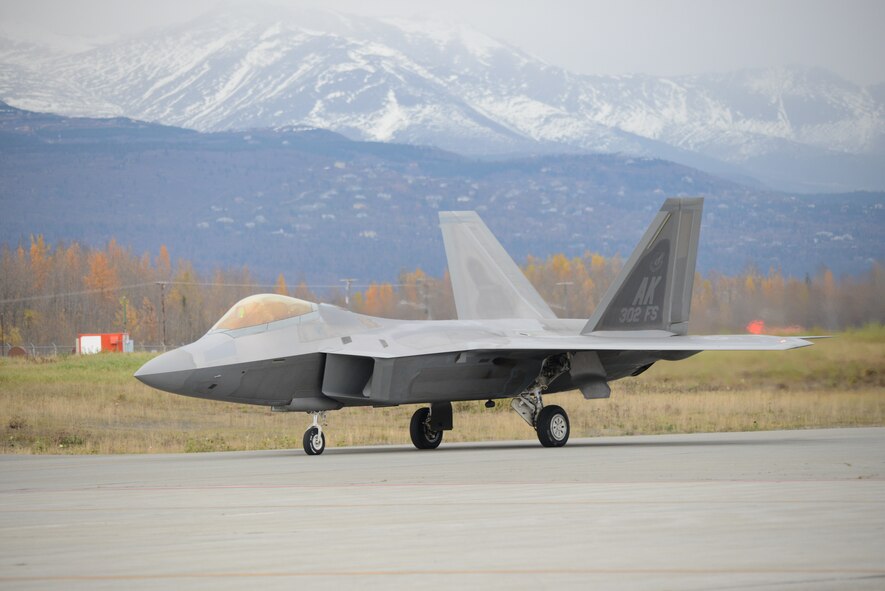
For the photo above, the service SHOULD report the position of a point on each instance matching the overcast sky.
(663, 37)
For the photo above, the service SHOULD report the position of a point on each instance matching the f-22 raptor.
(294, 355)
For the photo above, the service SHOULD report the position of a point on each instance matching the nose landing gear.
(314, 440)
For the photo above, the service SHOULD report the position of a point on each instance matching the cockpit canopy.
(262, 309)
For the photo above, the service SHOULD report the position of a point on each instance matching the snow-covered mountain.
(450, 86)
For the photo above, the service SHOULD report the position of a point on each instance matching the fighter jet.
(298, 356)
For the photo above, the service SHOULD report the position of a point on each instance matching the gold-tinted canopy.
(262, 309)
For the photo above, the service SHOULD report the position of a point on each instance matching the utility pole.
(422, 285)
(125, 301)
(348, 282)
(162, 285)
(565, 285)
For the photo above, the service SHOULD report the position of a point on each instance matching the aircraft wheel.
(314, 442)
(423, 437)
(553, 426)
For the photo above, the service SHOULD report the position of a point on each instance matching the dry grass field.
(93, 405)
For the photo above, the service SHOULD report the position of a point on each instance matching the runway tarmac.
(765, 510)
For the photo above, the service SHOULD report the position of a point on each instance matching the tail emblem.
(657, 263)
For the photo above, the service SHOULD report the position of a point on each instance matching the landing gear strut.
(550, 422)
(314, 440)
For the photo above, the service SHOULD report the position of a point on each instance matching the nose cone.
(167, 372)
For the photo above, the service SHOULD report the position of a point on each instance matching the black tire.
(313, 445)
(553, 426)
(423, 437)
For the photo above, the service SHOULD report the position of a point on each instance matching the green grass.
(92, 404)
(851, 359)
(105, 368)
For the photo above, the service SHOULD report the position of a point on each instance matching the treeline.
(723, 303)
(49, 294)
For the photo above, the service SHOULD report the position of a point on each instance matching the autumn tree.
(164, 263)
(378, 300)
(39, 261)
(101, 277)
(184, 306)
(303, 291)
(281, 287)
(413, 302)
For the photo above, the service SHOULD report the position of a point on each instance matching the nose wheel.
(314, 439)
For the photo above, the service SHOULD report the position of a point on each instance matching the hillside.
(314, 204)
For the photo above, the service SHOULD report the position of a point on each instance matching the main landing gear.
(552, 426)
(550, 422)
(427, 425)
(423, 435)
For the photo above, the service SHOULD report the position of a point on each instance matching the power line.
(183, 283)
(50, 296)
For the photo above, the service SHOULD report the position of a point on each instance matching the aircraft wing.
(479, 338)
(684, 343)
(486, 282)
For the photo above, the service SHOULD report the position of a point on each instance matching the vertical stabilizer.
(486, 282)
(653, 290)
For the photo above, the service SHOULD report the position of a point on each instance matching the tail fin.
(486, 282)
(653, 290)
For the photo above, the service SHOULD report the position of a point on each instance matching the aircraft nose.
(167, 372)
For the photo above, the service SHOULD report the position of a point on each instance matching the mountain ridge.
(452, 87)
